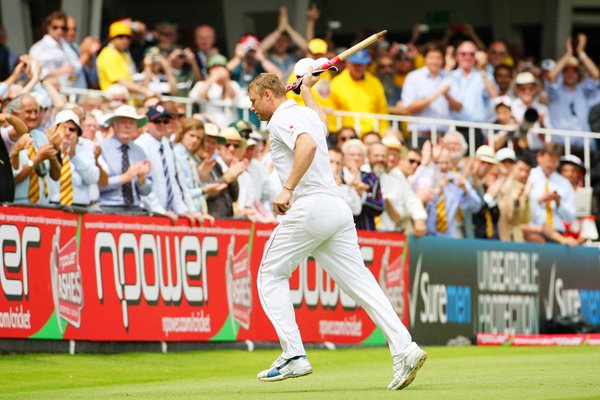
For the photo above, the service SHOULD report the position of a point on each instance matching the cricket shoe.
(284, 368)
(406, 366)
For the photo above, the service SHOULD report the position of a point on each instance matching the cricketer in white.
(314, 219)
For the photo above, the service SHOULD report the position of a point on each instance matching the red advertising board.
(38, 272)
(101, 277)
(323, 311)
(146, 279)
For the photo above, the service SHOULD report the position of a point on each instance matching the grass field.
(450, 373)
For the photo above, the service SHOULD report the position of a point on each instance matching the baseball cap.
(68, 115)
(211, 129)
(217, 60)
(155, 113)
(243, 127)
(506, 153)
(127, 111)
(119, 28)
(251, 142)
(361, 57)
(257, 136)
(548, 64)
(250, 42)
(572, 159)
(525, 78)
(486, 154)
(503, 100)
(301, 67)
(317, 46)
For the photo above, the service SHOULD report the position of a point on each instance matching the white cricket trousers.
(321, 225)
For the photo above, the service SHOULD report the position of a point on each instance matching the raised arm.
(587, 62)
(309, 100)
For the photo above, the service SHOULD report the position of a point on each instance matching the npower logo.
(441, 303)
(67, 290)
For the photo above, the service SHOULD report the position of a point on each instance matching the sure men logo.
(442, 304)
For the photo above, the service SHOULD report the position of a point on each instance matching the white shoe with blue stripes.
(406, 366)
(284, 368)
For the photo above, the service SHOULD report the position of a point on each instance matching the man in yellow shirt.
(356, 89)
(114, 64)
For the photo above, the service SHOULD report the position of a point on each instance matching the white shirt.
(84, 173)
(223, 115)
(53, 54)
(156, 200)
(395, 187)
(287, 123)
(566, 209)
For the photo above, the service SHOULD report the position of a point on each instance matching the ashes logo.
(67, 290)
(239, 286)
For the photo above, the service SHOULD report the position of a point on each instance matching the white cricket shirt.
(286, 124)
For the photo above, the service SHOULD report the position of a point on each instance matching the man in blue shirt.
(128, 168)
(571, 94)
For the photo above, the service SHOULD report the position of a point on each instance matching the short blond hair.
(268, 81)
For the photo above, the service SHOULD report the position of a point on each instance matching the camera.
(424, 28)
(529, 118)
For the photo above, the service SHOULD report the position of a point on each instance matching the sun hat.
(127, 111)
(119, 28)
(506, 153)
(486, 154)
(212, 130)
(68, 115)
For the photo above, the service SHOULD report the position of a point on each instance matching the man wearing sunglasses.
(58, 59)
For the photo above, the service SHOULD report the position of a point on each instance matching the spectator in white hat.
(528, 90)
(78, 165)
(487, 183)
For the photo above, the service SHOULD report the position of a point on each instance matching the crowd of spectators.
(129, 151)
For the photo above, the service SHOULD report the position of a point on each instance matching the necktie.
(549, 217)
(167, 178)
(441, 223)
(127, 187)
(34, 181)
(489, 223)
(66, 181)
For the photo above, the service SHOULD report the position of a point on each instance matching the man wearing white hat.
(487, 184)
(78, 166)
(128, 168)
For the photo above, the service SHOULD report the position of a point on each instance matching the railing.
(396, 120)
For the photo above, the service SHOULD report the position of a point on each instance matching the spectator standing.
(488, 184)
(552, 196)
(372, 197)
(503, 77)
(205, 38)
(129, 171)
(514, 203)
(426, 93)
(87, 77)
(58, 59)
(114, 63)
(385, 73)
(357, 90)
(218, 86)
(185, 69)
(14, 139)
(473, 87)
(276, 44)
(571, 92)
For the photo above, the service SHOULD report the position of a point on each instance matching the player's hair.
(433, 46)
(410, 149)
(552, 148)
(524, 158)
(336, 150)
(189, 124)
(268, 81)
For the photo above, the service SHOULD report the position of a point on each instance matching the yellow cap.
(317, 46)
(119, 28)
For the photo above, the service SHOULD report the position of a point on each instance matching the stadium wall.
(100, 278)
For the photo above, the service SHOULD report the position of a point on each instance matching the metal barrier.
(396, 120)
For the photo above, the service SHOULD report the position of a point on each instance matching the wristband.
(287, 188)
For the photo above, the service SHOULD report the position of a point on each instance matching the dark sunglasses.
(465, 53)
(122, 37)
(61, 27)
(344, 138)
(236, 145)
(162, 121)
(413, 161)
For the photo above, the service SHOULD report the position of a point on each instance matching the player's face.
(260, 106)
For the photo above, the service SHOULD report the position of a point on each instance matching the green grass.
(450, 373)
